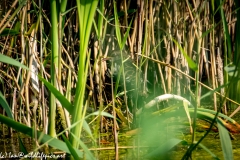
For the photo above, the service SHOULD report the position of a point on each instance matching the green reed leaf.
(8, 60)
(70, 147)
(207, 150)
(5, 105)
(64, 102)
(44, 138)
(117, 27)
(89, 155)
(191, 63)
(225, 141)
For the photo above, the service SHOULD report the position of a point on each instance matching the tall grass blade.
(225, 141)
(22, 147)
(117, 27)
(126, 35)
(215, 112)
(105, 114)
(207, 150)
(226, 31)
(185, 105)
(71, 149)
(209, 30)
(65, 103)
(5, 105)
(54, 65)
(191, 63)
(87, 128)
(86, 11)
(213, 91)
(89, 155)
(53, 142)
(10, 32)
(8, 60)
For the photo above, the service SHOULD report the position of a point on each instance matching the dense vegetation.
(73, 71)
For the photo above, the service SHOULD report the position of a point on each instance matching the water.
(137, 146)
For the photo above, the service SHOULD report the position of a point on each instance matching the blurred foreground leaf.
(53, 142)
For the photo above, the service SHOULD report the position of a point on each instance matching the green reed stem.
(86, 10)
(54, 64)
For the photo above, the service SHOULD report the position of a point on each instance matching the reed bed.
(75, 68)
